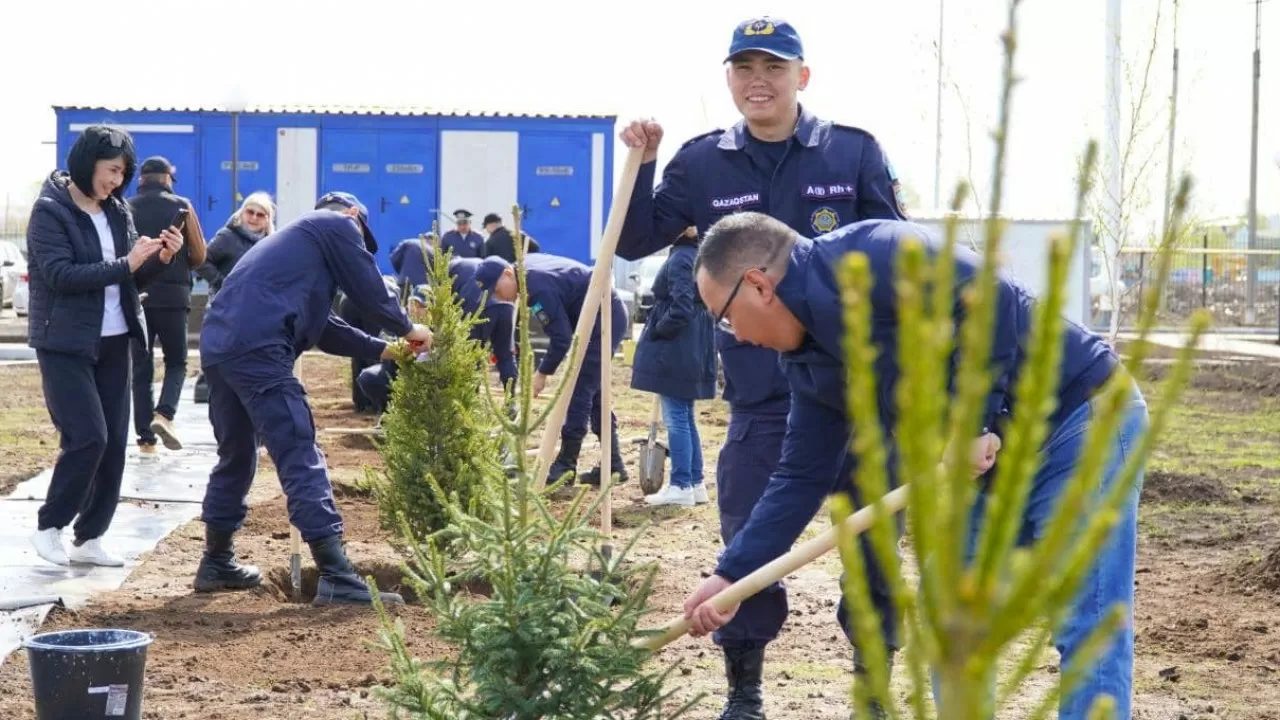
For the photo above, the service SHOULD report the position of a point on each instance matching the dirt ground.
(1208, 593)
(28, 442)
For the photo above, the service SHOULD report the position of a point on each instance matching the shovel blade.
(653, 468)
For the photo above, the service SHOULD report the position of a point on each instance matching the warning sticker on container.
(117, 698)
(405, 168)
(553, 170)
(351, 167)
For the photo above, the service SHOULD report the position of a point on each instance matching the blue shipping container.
(409, 166)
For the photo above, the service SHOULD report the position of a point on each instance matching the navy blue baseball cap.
(491, 268)
(765, 34)
(346, 199)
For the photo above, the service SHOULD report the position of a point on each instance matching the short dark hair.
(741, 241)
(101, 142)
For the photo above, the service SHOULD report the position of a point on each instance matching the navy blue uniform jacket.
(498, 332)
(557, 289)
(408, 262)
(828, 175)
(282, 290)
(470, 245)
(815, 454)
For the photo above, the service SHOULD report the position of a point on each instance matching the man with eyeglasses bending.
(814, 175)
(779, 290)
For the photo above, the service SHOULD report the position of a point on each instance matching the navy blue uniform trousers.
(257, 394)
(584, 405)
(89, 405)
(750, 454)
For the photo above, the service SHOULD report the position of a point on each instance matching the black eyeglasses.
(725, 325)
(721, 323)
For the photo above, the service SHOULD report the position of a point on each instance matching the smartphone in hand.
(180, 220)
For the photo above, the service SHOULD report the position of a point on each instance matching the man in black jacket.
(500, 242)
(166, 302)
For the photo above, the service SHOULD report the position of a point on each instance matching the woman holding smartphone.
(85, 260)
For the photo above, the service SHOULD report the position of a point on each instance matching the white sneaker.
(671, 495)
(700, 494)
(92, 553)
(49, 546)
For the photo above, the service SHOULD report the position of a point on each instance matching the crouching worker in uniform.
(777, 289)
(557, 290)
(273, 307)
(494, 331)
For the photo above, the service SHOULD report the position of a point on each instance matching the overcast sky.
(874, 66)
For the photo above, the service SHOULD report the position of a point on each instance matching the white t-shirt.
(113, 322)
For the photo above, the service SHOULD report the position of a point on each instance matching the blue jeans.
(683, 441)
(1111, 578)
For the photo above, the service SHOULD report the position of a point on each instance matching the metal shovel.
(653, 454)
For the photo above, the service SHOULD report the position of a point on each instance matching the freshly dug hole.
(388, 577)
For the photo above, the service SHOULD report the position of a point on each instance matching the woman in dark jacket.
(676, 359)
(84, 259)
(253, 221)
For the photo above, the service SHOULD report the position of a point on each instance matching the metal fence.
(1240, 288)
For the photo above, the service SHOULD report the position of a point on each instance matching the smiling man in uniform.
(812, 174)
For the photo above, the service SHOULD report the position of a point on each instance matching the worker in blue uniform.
(410, 260)
(814, 175)
(367, 396)
(777, 289)
(495, 331)
(557, 290)
(463, 241)
(276, 304)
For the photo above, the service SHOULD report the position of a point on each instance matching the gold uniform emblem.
(824, 220)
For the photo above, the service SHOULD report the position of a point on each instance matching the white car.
(21, 295)
(12, 267)
(1100, 283)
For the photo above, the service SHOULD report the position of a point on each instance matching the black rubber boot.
(218, 568)
(566, 461)
(859, 673)
(339, 583)
(744, 669)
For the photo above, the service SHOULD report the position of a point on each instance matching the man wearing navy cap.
(463, 241)
(276, 304)
(557, 290)
(814, 175)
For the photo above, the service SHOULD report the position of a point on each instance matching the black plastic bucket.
(88, 674)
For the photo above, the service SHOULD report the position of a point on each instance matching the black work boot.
(218, 568)
(338, 581)
(566, 461)
(744, 669)
(859, 674)
(616, 466)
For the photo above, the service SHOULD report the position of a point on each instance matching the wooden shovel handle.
(597, 292)
(781, 567)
